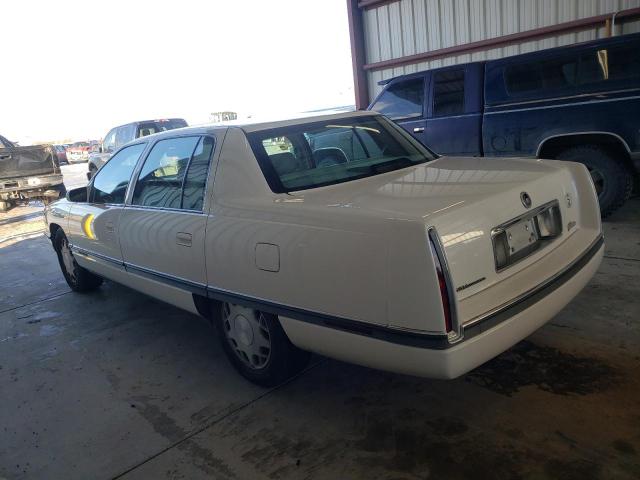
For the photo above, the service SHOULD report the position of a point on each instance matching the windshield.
(325, 153)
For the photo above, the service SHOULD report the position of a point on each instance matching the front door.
(403, 102)
(94, 225)
(454, 120)
(162, 227)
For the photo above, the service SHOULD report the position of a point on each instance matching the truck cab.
(432, 104)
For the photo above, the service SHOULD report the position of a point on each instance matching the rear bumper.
(481, 342)
(31, 186)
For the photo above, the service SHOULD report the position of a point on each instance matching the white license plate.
(521, 235)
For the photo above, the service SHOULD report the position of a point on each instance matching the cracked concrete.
(117, 385)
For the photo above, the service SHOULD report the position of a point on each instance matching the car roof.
(256, 126)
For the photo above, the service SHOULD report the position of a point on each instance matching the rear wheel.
(78, 278)
(256, 345)
(611, 178)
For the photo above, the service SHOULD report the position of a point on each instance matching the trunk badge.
(525, 199)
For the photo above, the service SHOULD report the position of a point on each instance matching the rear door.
(454, 122)
(163, 225)
(403, 101)
(94, 225)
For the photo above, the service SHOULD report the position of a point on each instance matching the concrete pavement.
(117, 385)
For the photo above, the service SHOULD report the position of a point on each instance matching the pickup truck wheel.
(5, 206)
(257, 346)
(612, 179)
(78, 278)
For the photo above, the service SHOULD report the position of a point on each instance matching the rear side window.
(111, 182)
(541, 75)
(448, 93)
(196, 179)
(174, 174)
(610, 64)
(401, 100)
(149, 128)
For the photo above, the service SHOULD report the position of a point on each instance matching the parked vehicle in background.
(28, 173)
(61, 153)
(79, 152)
(118, 136)
(339, 234)
(577, 103)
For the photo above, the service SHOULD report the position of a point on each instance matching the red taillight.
(442, 283)
(444, 295)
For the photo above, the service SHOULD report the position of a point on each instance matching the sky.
(75, 69)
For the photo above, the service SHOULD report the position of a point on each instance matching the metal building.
(394, 37)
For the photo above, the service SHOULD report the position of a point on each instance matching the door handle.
(184, 239)
(109, 227)
(418, 130)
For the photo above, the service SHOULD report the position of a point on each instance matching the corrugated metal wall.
(408, 27)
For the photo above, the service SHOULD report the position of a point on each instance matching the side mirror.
(80, 194)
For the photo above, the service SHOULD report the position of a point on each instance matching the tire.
(612, 179)
(5, 206)
(256, 345)
(79, 279)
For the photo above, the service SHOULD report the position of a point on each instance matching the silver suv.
(118, 136)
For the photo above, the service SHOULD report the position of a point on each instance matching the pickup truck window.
(111, 182)
(404, 99)
(325, 153)
(616, 63)
(125, 134)
(548, 74)
(109, 143)
(174, 174)
(149, 128)
(448, 93)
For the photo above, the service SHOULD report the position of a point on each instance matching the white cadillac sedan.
(340, 235)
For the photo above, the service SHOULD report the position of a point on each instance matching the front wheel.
(612, 179)
(256, 345)
(79, 279)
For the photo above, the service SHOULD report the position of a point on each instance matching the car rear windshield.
(149, 128)
(316, 154)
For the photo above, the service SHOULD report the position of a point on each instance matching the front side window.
(448, 93)
(402, 100)
(111, 182)
(174, 174)
(109, 143)
(124, 134)
(325, 153)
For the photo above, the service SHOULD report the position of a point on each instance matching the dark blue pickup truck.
(580, 103)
